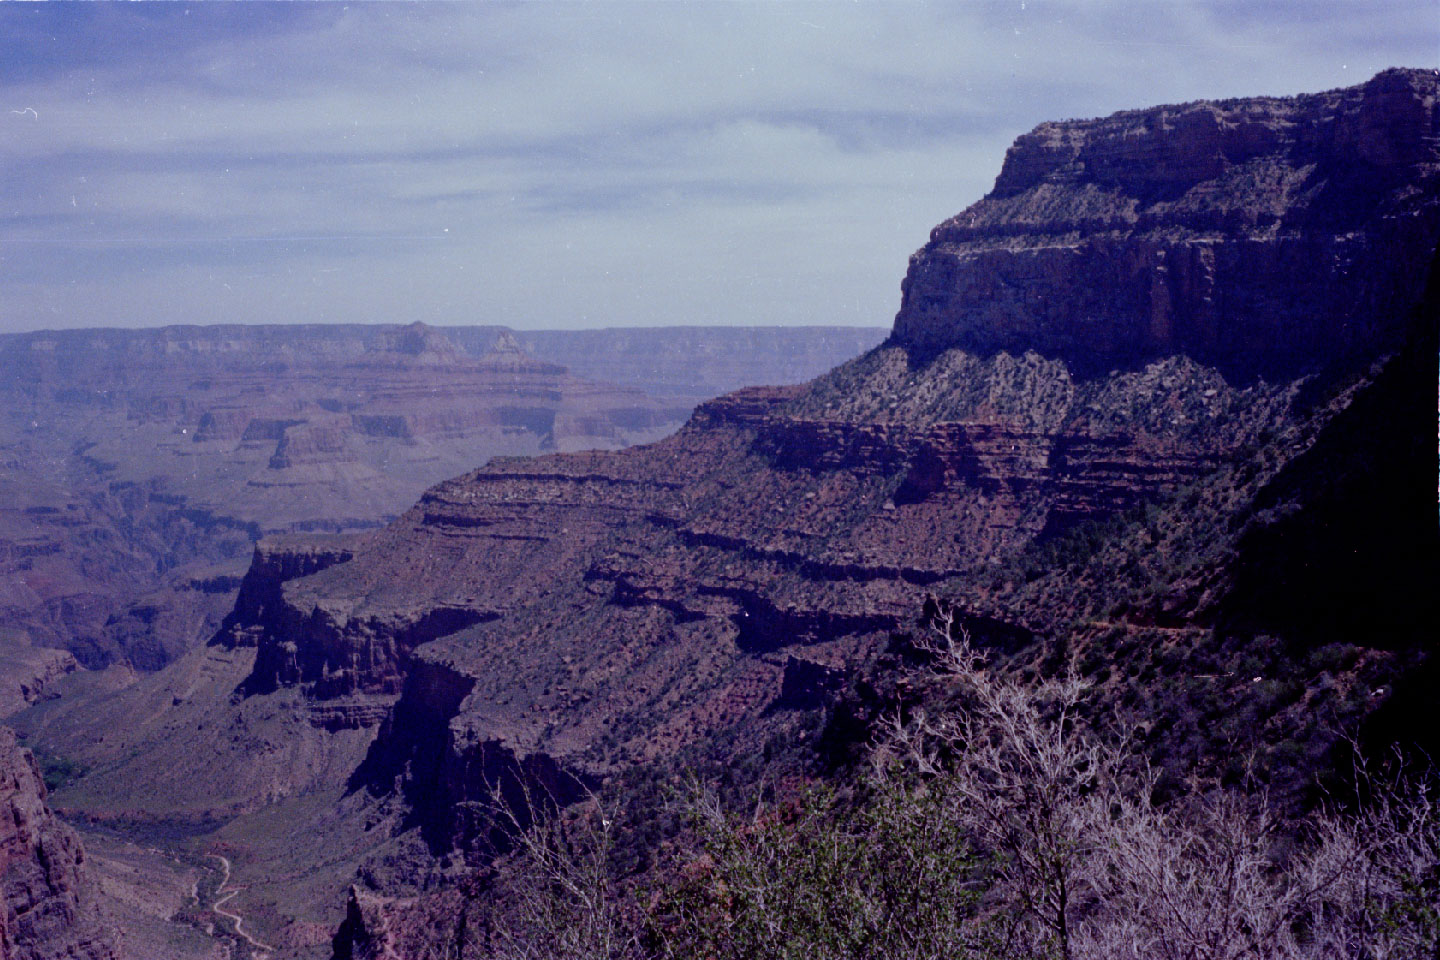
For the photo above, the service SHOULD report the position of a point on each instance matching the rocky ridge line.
(625, 607)
(1264, 236)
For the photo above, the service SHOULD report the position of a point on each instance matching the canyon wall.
(629, 604)
(554, 621)
(136, 464)
(1264, 236)
(47, 909)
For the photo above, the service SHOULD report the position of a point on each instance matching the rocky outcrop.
(26, 671)
(637, 602)
(47, 909)
(626, 605)
(365, 933)
(1264, 237)
(345, 663)
(470, 550)
(378, 927)
(332, 655)
(125, 454)
(276, 560)
(456, 777)
(549, 622)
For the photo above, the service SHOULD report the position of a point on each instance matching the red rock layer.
(46, 901)
(564, 616)
(552, 619)
(1261, 236)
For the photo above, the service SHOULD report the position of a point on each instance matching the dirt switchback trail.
(225, 892)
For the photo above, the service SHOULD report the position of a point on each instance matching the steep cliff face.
(27, 671)
(630, 605)
(1263, 236)
(547, 622)
(572, 615)
(276, 560)
(47, 909)
(755, 486)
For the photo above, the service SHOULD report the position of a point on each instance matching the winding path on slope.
(223, 893)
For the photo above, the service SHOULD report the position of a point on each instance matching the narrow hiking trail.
(225, 892)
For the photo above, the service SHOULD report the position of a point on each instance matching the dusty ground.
(154, 897)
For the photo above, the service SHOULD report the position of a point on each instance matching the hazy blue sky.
(551, 165)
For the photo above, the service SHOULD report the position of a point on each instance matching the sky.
(554, 165)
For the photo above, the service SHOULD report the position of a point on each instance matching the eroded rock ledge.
(47, 909)
(565, 617)
(1263, 236)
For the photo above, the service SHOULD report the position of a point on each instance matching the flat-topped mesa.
(1264, 236)
(276, 560)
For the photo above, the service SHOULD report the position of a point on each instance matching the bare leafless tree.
(1376, 873)
(1002, 827)
(1089, 867)
(1194, 881)
(560, 899)
(1021, 784)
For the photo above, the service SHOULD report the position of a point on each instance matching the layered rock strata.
(127, 455)
(573, 614)
(276, 560)
(47, 909)
(1263, 236)
(548, 622)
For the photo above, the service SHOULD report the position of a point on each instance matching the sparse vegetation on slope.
(1006, 828)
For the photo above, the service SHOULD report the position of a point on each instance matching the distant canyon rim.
(1127, 420)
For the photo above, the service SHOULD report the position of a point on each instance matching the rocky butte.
(1131, 346)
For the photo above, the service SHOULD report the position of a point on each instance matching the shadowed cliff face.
(554, 620)
(575, 614)
(1343, 543)
(46, 894)
(1263, 237)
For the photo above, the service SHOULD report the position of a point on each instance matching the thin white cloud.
(574, 164)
